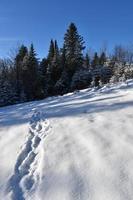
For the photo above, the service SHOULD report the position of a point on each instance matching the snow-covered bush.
(113, 79)
(81, 79)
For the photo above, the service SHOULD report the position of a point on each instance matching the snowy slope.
(75, 147)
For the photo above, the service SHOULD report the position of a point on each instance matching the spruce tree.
(30, 74)
(7, 89)
(51, 52)
(43, 71)
(56, 50)
(87, 61)
(54, 68)
(74, 46)
(62, 85)
(63, 57)
(7, 93)
(18, 64)
(95, 61)
(102, 58)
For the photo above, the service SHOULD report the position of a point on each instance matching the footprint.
(37, 141)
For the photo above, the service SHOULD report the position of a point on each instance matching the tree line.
(64, 70)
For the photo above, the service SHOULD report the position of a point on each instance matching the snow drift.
(75, 147)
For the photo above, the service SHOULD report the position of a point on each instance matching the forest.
(69, 68)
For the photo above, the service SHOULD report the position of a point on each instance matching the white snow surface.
(73, 147)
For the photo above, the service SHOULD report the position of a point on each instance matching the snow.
(73, 147)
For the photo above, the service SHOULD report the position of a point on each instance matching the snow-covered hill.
(75, 147)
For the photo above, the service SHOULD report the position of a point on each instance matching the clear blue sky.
(37, 21)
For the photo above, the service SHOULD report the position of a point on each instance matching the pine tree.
(18, 63)
(7, 93)
(63, 57)
(87, 61)
(51, 51)
(56, 50)
(74, 46)
(95, 61)
(56, 65)
(30, 74)
(43, 68)
(102, 58)
(62, 85)
(54, 68)
(7, 90)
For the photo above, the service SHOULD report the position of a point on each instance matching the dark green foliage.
(62, 86)
(51, 52)
(43, 67)
(95, 61)
(53, 69)
(8, 94)
(74, 45)
(30, 74)
(102, 59)
(87, 61)
(63, 60)
(18, 65)
(7, 90)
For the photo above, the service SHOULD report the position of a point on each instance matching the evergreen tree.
(74, 45)
(7, 90)
(63, 57)
(62, 85)
(102, 58)
(19, 68)
(54, 68)
(56, 50)
(30, 75)
(87, 61)
(56, 65)
(43, 67)
(51, 51)
(95, 61)
(7, 93)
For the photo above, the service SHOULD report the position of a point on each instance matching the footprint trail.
(23, 172)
